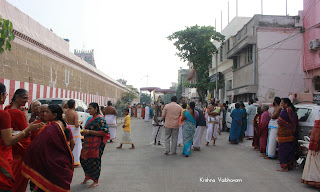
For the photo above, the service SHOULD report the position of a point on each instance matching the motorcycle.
(302, 151)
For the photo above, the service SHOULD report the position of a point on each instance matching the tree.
(6, 34)
(195, 45)
(179, 92)
(128, 97)
(145, 98)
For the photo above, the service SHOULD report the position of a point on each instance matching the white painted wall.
(280, 66)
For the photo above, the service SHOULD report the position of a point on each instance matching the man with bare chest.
(213, 122)
(73, 121)
(110, 115)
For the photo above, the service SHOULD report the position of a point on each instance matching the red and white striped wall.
(37, 91)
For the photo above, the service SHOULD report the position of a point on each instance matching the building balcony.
(247, 40)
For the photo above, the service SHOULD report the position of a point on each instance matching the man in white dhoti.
(213, 122)
(201, 125)
(251, 113)
(129, 107)
(73, 121)
(139, 110)
(147, 113)
(157, 123)
(273, 129)
(110, 115)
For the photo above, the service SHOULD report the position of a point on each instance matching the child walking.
(126, 139)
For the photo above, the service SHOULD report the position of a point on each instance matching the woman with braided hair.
(190, 117)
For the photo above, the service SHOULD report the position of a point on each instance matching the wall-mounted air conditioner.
(314, 44)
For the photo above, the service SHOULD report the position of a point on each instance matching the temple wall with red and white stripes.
(40, 91)
(41, 62)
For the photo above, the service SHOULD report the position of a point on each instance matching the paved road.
(147, 169)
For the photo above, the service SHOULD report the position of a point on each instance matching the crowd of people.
(45, 148)
(272, 129)
(270, 126)
(184, 124)
(276, 127)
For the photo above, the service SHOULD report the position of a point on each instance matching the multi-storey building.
(223, 65)
(311, 51)
(267, 58)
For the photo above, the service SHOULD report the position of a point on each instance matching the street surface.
(147, 169)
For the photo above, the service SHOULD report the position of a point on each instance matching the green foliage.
(6, 35)
(179, 92)
(145, 98)
(128, 97)
(195, 45)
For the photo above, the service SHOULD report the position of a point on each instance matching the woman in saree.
(19, 116)
(311, 171)
(143, 111)
(256, 122)
(180, 135)
(48, 161)
(190, 118)
(287, 123)
(6, 141)
(263, 129)
(96, 134)
(236, 124)
(244, 121)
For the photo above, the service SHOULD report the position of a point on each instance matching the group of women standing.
(286, 122)
(47, 161)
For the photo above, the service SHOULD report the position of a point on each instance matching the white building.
(220, 61)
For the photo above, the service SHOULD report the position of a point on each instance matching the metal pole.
(261, 7)
(221, 21)
(228, 12)
(254, 63)
(217, 92)
(215, 24)
(286, 7)
(237, 8)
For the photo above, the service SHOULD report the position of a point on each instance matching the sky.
(129, 37)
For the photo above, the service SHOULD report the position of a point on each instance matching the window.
(229, 85)
(217, 58)
(249, 54)
(235, 63)
(303, 114)
(228, 44)
(316, 83)
(221, 53)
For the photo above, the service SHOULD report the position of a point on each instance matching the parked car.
(229, 110)
(81, 107)
(306, 116)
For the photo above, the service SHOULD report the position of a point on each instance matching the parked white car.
(307, 114)
(229, 110)
(81, 107)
